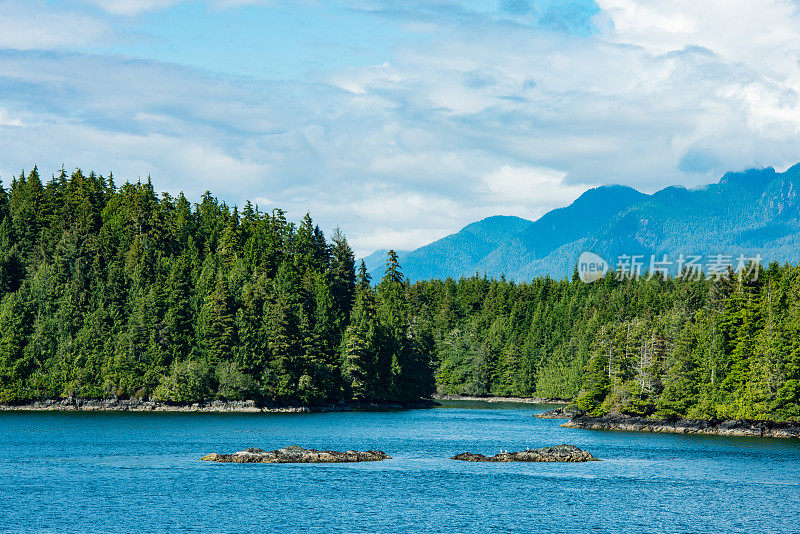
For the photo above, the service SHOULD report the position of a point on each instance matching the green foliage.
(360, 344)
(233, 383)
(675, 347)
(108, 291)
(187, 381)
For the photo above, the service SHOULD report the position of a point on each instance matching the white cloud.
(481, 117)
(137, 7)
(639, 21)
(133, 7)
(528, 191)
(773, 109)
(32, 25)
(759, 33)
(406, 239)
(758, 37)
(7, 120)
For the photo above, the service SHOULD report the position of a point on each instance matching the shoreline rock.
(558, 413)
(138, 405)
(556, 453)
(521, 400)
(295, 455)
(744, 428)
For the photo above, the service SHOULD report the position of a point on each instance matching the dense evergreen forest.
(119, 292)
(702, 348)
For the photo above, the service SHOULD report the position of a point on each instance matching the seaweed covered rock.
(295, 455)
(557, 453)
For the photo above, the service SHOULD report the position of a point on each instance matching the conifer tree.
(218, 333)
(342, 271)
(116, 291)
(360, 343)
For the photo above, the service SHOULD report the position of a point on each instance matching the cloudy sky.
(400, 121)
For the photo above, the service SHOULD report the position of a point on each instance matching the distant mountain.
(752, 212)
(454, 254)
(523, 252)
(756, 212)
(464, 251)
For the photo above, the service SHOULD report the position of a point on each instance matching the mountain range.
(750, 213)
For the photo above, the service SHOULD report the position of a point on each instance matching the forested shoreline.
(117, 292)
(692, 347)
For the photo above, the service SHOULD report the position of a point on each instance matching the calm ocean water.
(138, 472)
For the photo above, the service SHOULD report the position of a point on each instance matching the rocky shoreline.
(628, 423)
(524, 400)
(558, 413)
(557, 453)
(139, 405)
(295, 455)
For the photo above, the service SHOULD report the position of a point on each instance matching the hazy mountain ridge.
(752, 212)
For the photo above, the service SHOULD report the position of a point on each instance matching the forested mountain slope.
(462, 252)
(749, 213)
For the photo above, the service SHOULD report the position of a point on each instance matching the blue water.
(139, 472)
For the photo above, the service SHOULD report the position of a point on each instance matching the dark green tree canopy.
(110, 291)
(116, 291)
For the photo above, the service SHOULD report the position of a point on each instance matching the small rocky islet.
(556, 453)
(298, 455)
(295, 455)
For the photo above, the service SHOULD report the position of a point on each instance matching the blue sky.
(274, 41)
(286, 40)
(400, 121)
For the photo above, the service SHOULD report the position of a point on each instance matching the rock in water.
(557, 453)
(295, 455)
(558, 413)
